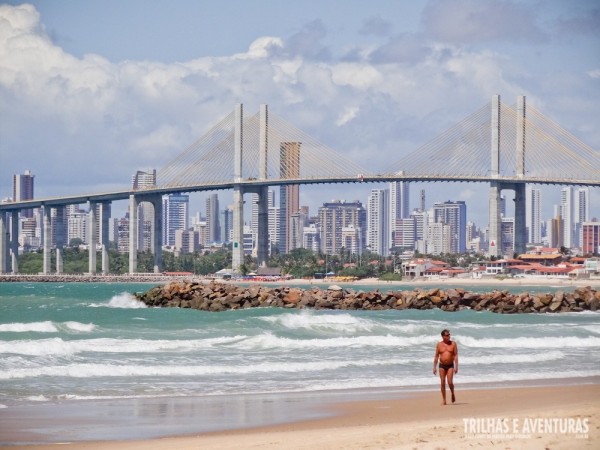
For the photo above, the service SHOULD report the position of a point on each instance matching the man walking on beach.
(447, 352)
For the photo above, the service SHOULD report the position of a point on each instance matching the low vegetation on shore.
(221, 297)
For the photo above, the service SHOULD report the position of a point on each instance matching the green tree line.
(299, 263)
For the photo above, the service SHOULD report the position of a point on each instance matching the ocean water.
(61, 343)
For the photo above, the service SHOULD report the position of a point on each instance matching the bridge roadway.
(248, 183)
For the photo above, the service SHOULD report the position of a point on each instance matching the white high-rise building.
(399, 204)
(77, 226)
(534, 215)
(566, 213)
(453, 214)
(439, 238)
(311, 238)
(378, 233)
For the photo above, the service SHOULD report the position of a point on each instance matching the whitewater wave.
(268, 341)
(530, 342)
(124, 300)
(346, 323)
(91, 370)
(61, 347)
(37, 327)
(46, 327)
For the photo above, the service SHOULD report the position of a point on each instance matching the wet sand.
(533, 416)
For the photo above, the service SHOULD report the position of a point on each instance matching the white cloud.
(594, 73)
(348, 114)
(360, 76)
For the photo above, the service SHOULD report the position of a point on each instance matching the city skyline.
(376, 82)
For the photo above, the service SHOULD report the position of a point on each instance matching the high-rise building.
(298, 221)
(453, 214)
(581, 213)
(336, 215)
(289, 196)
(123, 234)
(212, 219)
(23, 190)
(187, 241)
(273, 220)
(77, 224)
(421, 218)
(405, 234)
(566, 213)
(274, 224)
(312, 238)
(399, 204)
(175, 216)
(439, 238)
(590, 238)
(201, 228)
(226, 225)
(507, 235)
(378, 220)
(534, 215)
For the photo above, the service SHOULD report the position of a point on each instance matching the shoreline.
(497, 283)
(400, 420)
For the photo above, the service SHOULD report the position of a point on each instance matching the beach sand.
(416, 421)
(479, 283)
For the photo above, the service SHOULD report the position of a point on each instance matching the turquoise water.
(62, 342)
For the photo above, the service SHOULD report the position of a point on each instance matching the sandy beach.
(508, 418)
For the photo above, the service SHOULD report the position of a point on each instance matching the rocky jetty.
(86, 278)
(222, 297)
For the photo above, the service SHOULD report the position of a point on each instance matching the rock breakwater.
(222, 297)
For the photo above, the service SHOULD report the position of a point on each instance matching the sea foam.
(37, 327)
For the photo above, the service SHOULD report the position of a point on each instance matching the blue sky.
(91, 91)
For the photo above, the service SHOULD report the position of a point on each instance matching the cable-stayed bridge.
(505, 146)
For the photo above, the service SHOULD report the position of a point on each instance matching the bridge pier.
(495, 221)
(134, 230)
(133, 233)
(104, 216)
(47, 237)
(60, 237)
(157, 231)
(92, 239)
(14, 241)
(262, 238)
(495, 218)
(237, 257)
(4, 240)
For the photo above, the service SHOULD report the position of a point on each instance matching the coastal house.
(497, 267)
(544, 256)
(416, 267)
(424, 267)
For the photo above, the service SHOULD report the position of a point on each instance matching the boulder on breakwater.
(221, 297)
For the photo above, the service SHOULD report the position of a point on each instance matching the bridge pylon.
(496, 187)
